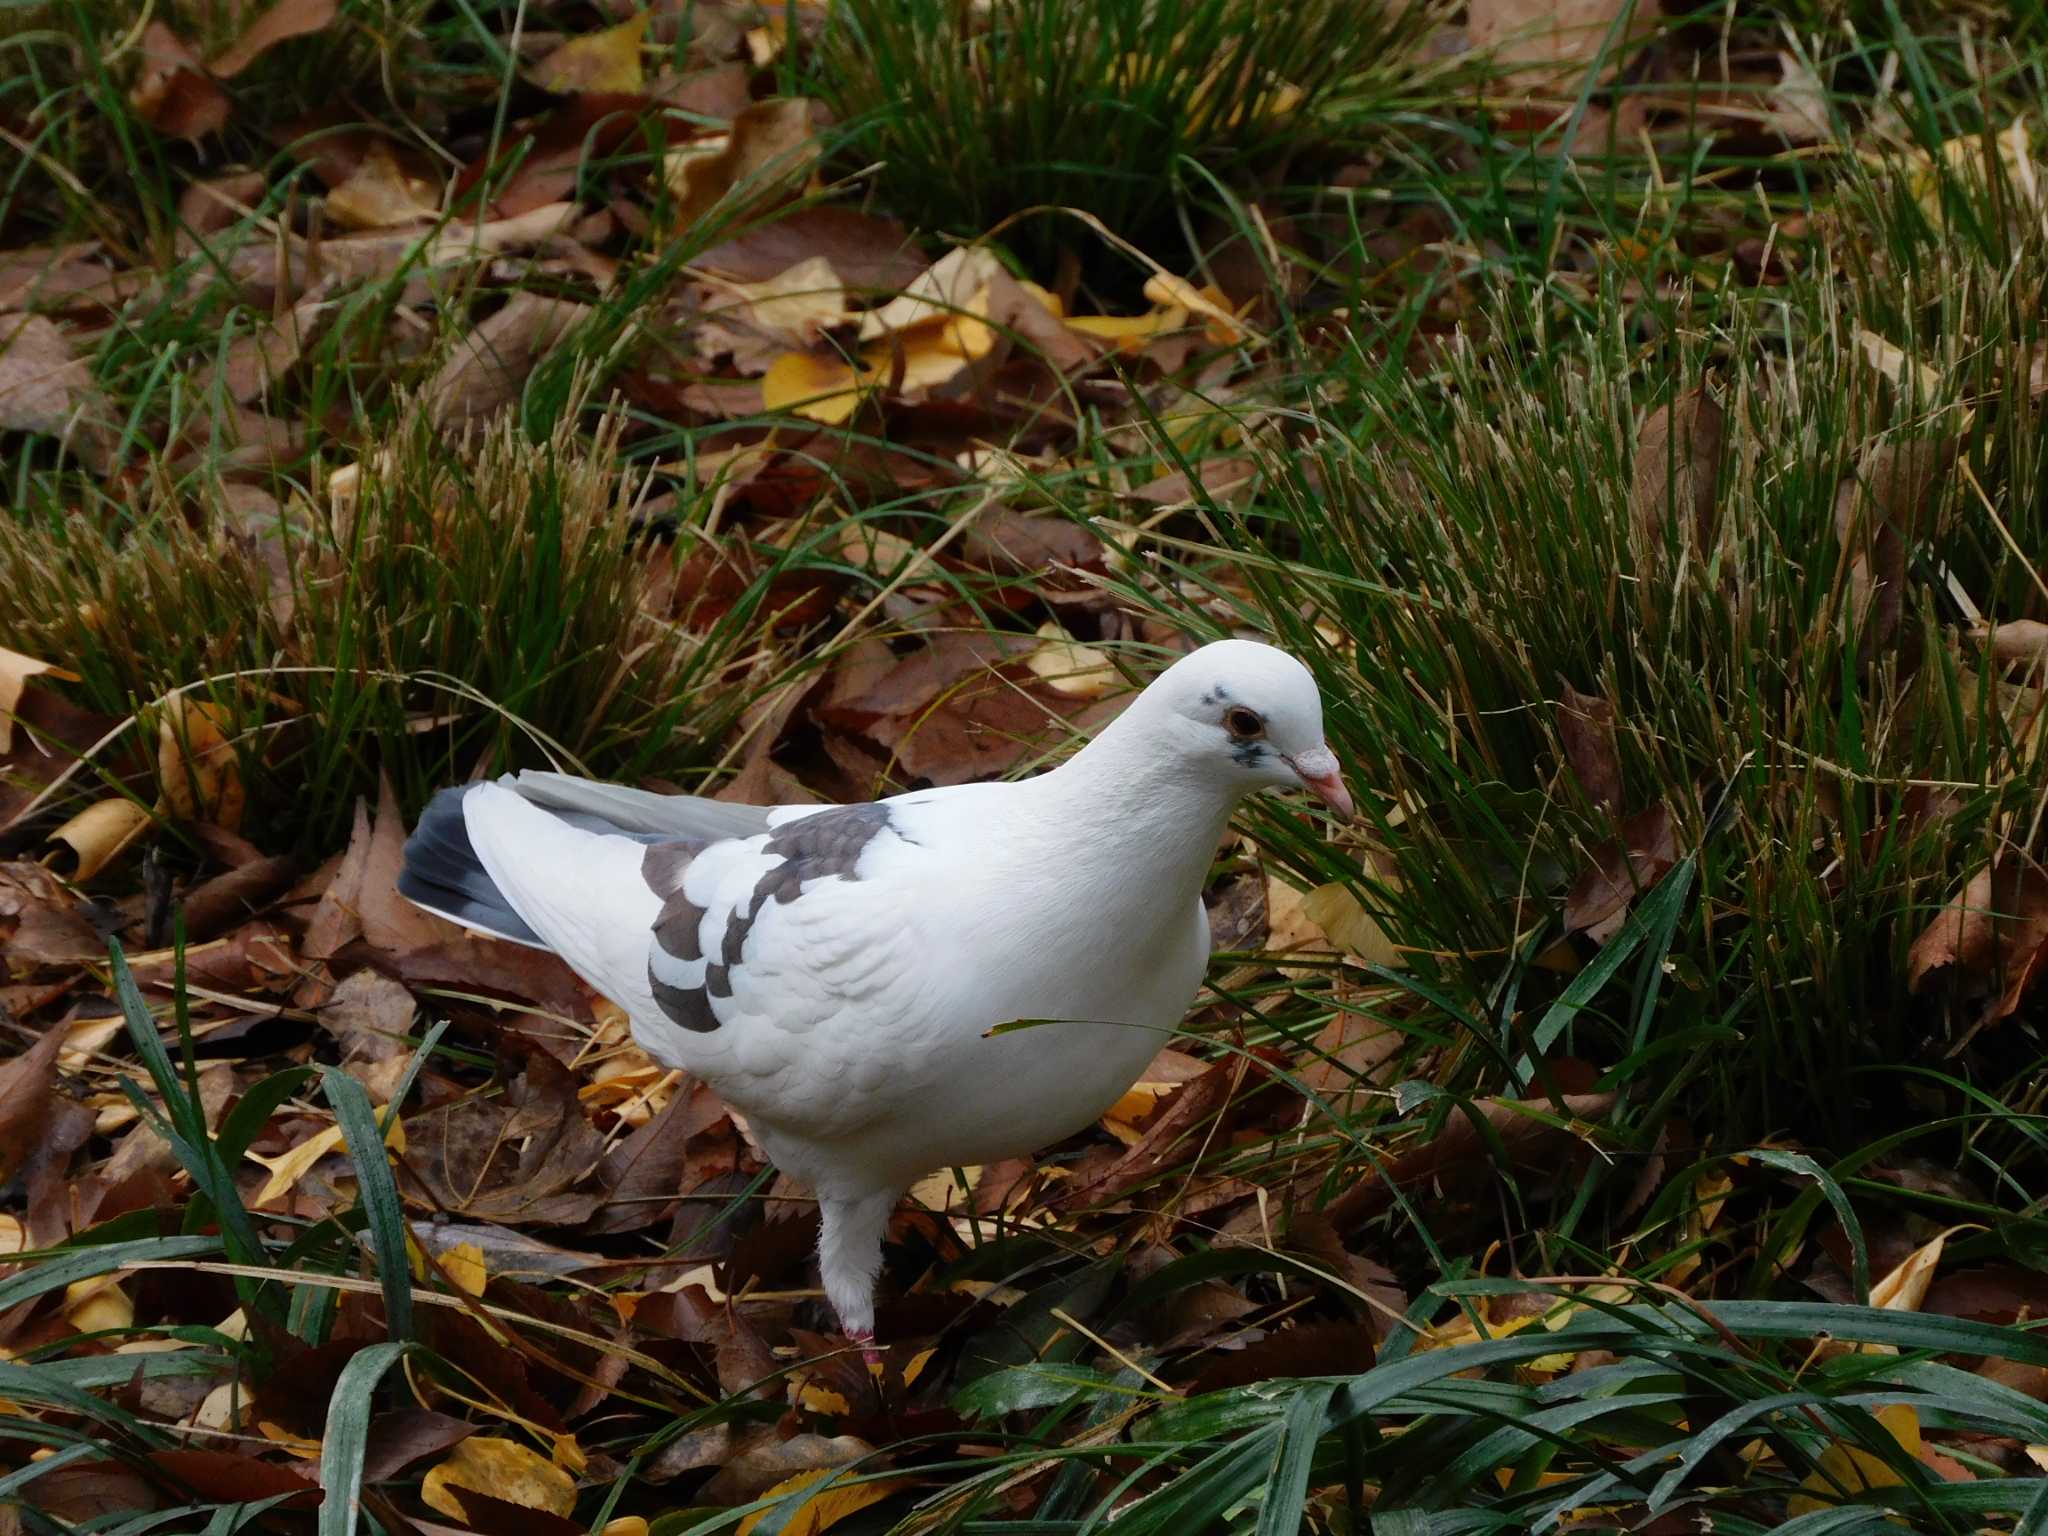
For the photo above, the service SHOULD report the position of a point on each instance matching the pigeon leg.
(850, 1257)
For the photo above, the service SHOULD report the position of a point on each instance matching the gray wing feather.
(639, 810)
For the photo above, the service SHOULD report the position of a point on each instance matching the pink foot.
(866, 1340)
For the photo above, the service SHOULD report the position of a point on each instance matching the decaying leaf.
(1066, 666)
(381, 194)
(1547, 44)
(836, 1497)
(27, 1091)
(1993, 936)
(501, 1469)
(491, 363)
(47, 387)
(1844, 1469)
(15, 671)
(606, 61)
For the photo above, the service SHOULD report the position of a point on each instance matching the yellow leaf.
(464, 1264)
(297, 1445)
(2038, 1455)
(501, 1469)
(288, 1168)
(607, 61)
(1208, 301)
(100, 832)
(823, 1509)
(15, 671)
(1855, 1470)
(949, 286)
(195, 763)
(1350, 927)
(1067, 666)
(98, 1304)
(804, 299)
(13, 1235)
(822, 388)
(1129, 329)
(625, 1525)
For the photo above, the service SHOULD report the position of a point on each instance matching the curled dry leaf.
(604, 62)
(101, 832)
(1585, 723)
(804, 300)
(500, 1469)
(174, 94)
(1994, 935)
(15, 671)
(197, 773)
(1677, 472)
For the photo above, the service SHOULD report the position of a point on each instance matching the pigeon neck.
(1158, 816)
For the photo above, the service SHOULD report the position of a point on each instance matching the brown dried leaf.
(370, 1015)
(1623, 868)
(28, 1092)
(382, 194)
(1880, 511)
(285, 20)
(1547, 44)
(41, 923)
(1312, 1349)
(174, 94)
(868, 253)
(1993, 935)
(765, 1458)
(489, 367)
(1586, 725)
(607, 61)
(771, 147)
(1677, 472)
(207, 207)
(46, 388)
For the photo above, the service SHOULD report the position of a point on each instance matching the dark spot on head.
(1216, 695)
(1247, 754)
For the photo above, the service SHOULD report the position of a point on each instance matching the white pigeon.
(834, 972)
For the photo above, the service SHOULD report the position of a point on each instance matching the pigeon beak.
(1319, 775)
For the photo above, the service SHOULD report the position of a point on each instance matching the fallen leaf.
(1623, 868)
(287, 1168)
(1335, 909)
(98, 1304)
(1881, 510)
(381, 194)
(174, 94)
(1311, 1349)
(1993, 935)
(41, 923)
(804, 300)
(1853, 1470)
(2017, 642)
(1067, 666)
(1798, 108)
(502, 1469)
(1544, 45)
(101, 832)
(607, 61)
(868, 253)
(770, 147)
(370, 1015)
(833, 1501)
(1677, 472)
(46, 388)
(823, 389)
(490, 365)
(197, 772)
(1585, 723)
(767, 1459)
(28, 1085)
(15, 671)
(283, 21)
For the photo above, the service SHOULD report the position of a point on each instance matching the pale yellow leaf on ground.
(1129, 330)
(1855, 1470)
(805, 300)
(947, 287)
(502, 1469)
(98, 1303)
(1068, 667)
(1339, 913)
(823, 1509)
(15, 671)
(465, 1266)
(1169, 292)
(287, 1168)
(100, 832)
(1906, 1287)
(196, 769)
(607, 61)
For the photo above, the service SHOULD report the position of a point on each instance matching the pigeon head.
(1250, 715)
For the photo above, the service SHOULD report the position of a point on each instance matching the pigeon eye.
(1243, 723)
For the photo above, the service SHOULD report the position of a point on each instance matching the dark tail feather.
(442, 873)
